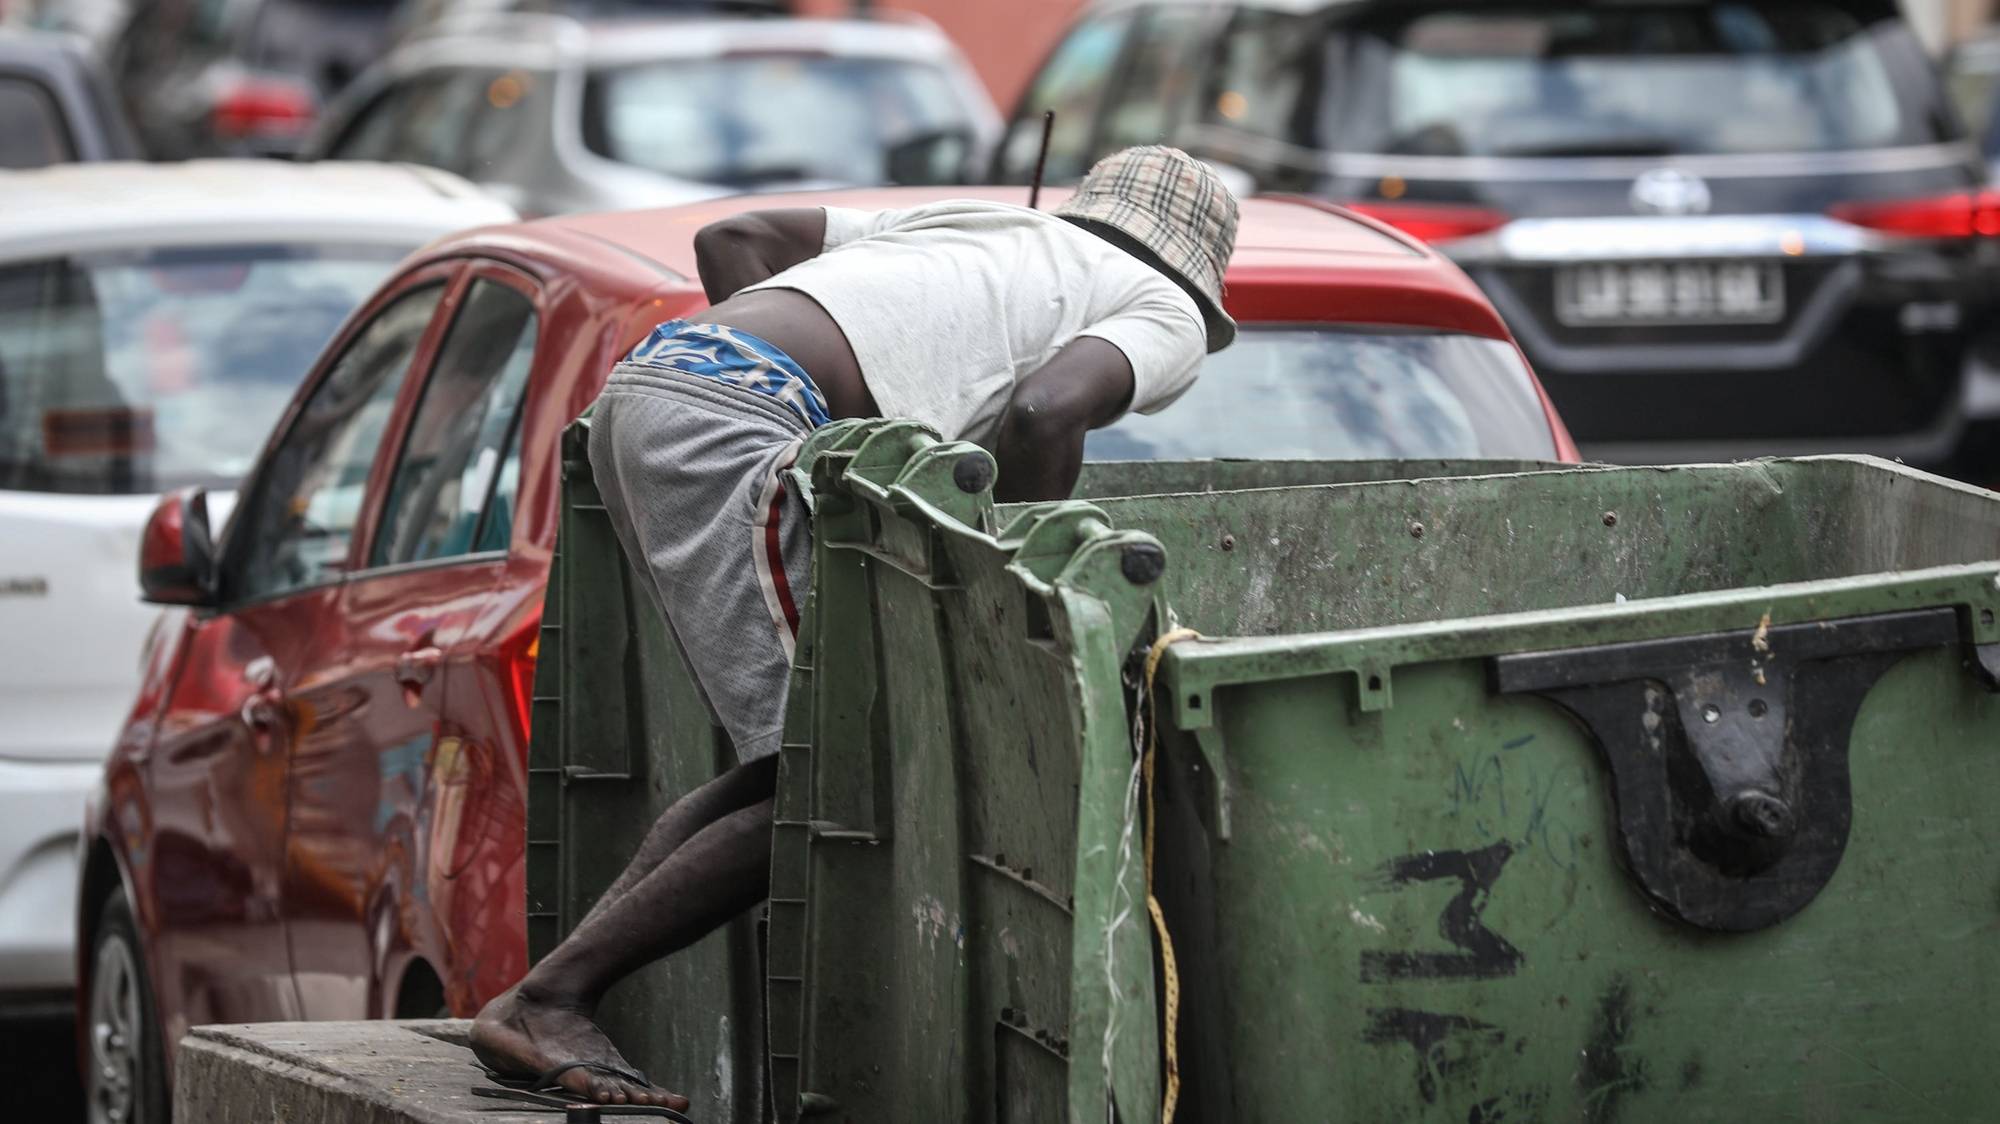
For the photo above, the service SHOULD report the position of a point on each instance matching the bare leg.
(546, 1019)
(738, 788)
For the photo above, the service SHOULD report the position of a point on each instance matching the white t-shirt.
(948, 305)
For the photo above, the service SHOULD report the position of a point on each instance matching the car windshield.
(1343, 394)
(137, 372)
(747, 120)
(1638, 80)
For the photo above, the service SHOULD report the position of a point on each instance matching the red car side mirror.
(177, 553)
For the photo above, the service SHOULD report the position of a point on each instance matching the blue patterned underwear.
(726, 355)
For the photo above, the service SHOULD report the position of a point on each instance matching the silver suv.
(557, 115)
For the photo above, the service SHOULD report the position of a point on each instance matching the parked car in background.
(1972, 74)
(56, 104)
(154, 320)
(240, 77)
(418, 17)
(558, 116)
(316, 807)
(95, 21)
(1717, 229)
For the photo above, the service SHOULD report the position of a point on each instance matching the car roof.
(529, 39)
(86, 206)
(1283, 229)
(1296, 260)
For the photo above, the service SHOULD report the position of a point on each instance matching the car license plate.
(1670, 293)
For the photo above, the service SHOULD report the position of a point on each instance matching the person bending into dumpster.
(1018, 329)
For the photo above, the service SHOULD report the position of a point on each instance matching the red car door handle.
(263, 712)
(415, 667)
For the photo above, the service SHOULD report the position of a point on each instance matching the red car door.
(212, 882)
(366, 785)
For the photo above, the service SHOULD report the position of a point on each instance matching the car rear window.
(746, 120)
(1344, 394)
(136, 372)
(1639, 80)
(31, 130)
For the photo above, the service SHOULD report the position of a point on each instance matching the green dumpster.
(1501, 794)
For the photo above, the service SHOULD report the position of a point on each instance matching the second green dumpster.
(1588, 794)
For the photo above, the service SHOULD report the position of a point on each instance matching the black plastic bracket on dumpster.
(1728, 752)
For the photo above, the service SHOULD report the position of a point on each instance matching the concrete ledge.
(417, 1072)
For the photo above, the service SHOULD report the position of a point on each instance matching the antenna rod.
(1041, 160)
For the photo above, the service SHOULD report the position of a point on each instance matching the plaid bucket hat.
(1177, 212)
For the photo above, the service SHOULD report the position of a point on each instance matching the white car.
(558, 115)
(154, 321)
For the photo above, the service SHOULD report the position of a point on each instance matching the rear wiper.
(1605, 146)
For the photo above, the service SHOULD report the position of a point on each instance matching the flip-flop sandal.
(544, 1090)
(548, 1103)
(545, 1081)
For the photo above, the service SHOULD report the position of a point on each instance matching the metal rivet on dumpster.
(1711, 713)
(1758, 708)
(1229, 542)
(1986, 617)
(1142, 563)
(1416, 530)
(1611, 519)
(973, 473)
(1761, 813)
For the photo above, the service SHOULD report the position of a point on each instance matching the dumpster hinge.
(1728, 752)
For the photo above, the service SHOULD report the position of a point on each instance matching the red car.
(315, 809)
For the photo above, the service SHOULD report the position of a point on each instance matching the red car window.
(296, 530)
(459, 463)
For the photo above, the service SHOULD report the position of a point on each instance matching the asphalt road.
(40, 1066)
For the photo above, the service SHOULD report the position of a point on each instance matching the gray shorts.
(689, 471)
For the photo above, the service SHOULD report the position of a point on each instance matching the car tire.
(125, 1080)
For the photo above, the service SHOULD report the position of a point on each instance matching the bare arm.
(1040, 446)
(755, 246)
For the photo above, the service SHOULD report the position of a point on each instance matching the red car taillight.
(1960, 214)
(518, 654)
(1431, 222)
(262, 107)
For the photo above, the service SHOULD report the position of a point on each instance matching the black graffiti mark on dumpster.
(1485, 954)
(1445, 1044)
(1525, 1106)
(1604, 1072)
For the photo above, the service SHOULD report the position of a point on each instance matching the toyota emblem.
(1669, 191)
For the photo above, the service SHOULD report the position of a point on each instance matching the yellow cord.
(1169, 971)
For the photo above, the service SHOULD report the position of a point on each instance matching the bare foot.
(517, 1036)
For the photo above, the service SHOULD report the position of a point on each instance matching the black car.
(1717, 229)
(240, 77)
(56, 105)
